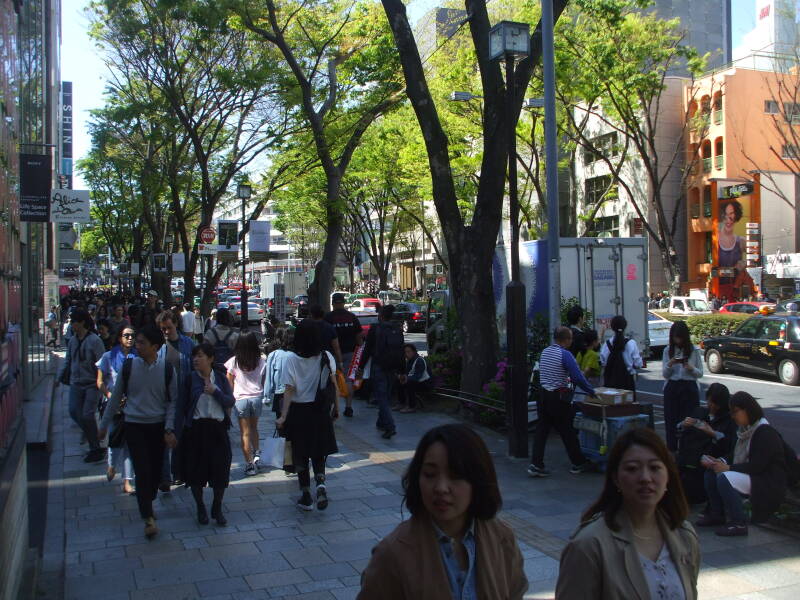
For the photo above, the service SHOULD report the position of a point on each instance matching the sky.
(82, 65)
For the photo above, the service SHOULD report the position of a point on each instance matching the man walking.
(575, 320)
(557, 367)
(384, 345)
(347, 328)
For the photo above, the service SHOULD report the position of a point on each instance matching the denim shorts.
(246, 408)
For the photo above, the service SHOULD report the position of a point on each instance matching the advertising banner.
(735, 241)
(259, 240)
(178, 263)
(159, 263)
(69, 206)
(228, 240)
(66, 135)
(34, 187)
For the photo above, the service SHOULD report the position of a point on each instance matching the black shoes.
(216, 513)
(388, 434)
(95, 455)
(305, 502)
(202, 514)
(348, 411)
(165, 486)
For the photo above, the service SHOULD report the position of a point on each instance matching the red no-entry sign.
(207, 235)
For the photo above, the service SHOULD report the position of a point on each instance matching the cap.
(337, 299)
(152, 293)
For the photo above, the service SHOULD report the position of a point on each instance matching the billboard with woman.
(730, 249)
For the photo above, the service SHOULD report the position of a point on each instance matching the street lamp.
(244, 192)
(512, 41)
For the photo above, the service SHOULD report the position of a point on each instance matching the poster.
(259, 240)
(69, 206)
(228, 240)
(34, 187)
(734, 221)
(178, 263)
(159, 263)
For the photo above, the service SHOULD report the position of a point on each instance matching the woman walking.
(109, 368)
(310, 404)
(682, 366)
(246, 372)
(205, 447)
(151, 389)
(274, 386)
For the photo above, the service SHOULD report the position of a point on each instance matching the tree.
(470, 241)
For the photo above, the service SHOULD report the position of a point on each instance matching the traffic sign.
(208, 235)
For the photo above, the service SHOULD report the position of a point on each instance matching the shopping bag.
(341, 385)
(274, 451)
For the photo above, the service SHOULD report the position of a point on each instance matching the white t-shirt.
(303, 374)
(188, 322)
(247, 384)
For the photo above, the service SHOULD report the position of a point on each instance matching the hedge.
(705, 326)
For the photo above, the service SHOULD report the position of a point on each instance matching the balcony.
(718, 117)
(719, 162)
(706, 165)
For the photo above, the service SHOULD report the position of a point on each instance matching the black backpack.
(389, 346)
(222, 351)
(616, 374)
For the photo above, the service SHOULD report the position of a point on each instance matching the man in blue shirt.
(557, 371)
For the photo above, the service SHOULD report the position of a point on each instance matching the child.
(589, 359)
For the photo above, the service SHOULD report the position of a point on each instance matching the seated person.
(758, 470)
(708, 431)
(415, 381)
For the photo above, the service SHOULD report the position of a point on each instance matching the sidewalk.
(95, 547)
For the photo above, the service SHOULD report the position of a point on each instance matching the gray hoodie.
(149, 401)
(81, 358)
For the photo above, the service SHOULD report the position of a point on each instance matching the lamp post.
(244, 191)
(511, 41)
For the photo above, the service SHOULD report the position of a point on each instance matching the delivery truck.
(294, 283)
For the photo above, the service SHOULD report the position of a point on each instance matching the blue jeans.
(723, 499)
(82, 404)
(123, 456)
(382, 384)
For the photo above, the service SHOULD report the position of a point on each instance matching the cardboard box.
(612, 396)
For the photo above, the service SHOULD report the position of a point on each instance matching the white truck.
(294, 282)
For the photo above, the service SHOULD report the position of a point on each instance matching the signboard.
(736, 240)
(279, 301)
(259, 240)
(228, 241)
(68, 270)
(178, 263)
(65, 177)
(736, 191)
(69, 206)
(207, 249)
(34, 187)
(208, 235)
(159, 263)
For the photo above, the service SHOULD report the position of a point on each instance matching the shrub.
(705, 326)
(446, 369)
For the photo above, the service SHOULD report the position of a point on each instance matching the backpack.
(616, 374)
(389, 343)
(222, 351)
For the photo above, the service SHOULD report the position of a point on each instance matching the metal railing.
(719, 162)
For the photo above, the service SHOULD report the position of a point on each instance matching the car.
(783, 306)
(390, 297)
(686, 305)
(657, 330)
(365, 304)
(353, 297)
(300, 299)
(763, 344)
(254, 312)
(410, 315)
(366, 318)
(745, 307)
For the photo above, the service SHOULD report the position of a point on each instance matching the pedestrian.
(274, 383)
(211, 321)
(557, 367)
(309, 410)
(453, 546)
(150, 311)
(576, 319)
(634, 541)
(150, 392)
(682, 366)
(384, 345)
(52, 325)
(246, 374)
(187, 320)
(347, 328)
(589, 361)
(620, 358)
(205, 447)
(109, 368)
(79, 372)
(199, 329)
(415, 382)
(105, 331)
(222, 336)
(118, 319)
(177, 350)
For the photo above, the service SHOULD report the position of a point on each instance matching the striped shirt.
(557, 368)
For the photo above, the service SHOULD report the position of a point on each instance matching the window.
(637, 228)
(599, 189)
(604, 227)
(791, 111)
(769, 330)
(709, 247)
(601, 146)
(771, 107)
(747, 329)
(791, 150)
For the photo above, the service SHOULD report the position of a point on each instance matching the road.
(781, 402)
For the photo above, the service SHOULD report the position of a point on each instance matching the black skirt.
(205, 454)
(311, 432)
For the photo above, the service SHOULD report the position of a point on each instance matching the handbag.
(274, 451)
(325, 397)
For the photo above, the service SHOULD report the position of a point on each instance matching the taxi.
(766, 344)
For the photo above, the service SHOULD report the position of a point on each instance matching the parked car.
(366, 304)
(686, 305)
(390, 297)
(763, 344)
(657, 331)
(353, 297)
(254, 312)
(745, 307)
(300, 299)
(410, 315)
(784, 305)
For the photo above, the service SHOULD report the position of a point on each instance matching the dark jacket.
(766, 466)
(723, 448)
(223, 395)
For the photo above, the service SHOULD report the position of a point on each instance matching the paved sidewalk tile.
(95, 547)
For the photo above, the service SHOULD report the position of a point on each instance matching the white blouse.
(662, 577)
(207, 407)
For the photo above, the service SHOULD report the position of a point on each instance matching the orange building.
(741, 188)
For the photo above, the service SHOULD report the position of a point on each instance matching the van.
(389, 297)
(686, 305)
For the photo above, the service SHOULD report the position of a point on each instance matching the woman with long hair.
(620, 358)
(278, 350)
(681, 367)
(634, 541)
(308, 411)
(246, 372)
(453, 546)
(205, 448)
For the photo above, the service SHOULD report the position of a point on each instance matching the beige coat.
(407, 564)
(602, 564)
